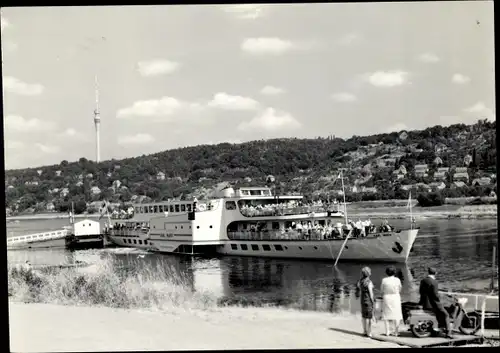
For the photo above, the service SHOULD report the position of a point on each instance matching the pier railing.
(280, 235)
(58, 234)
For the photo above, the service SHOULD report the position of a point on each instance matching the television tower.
(97, 123)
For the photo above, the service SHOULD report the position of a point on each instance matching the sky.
(174, 76)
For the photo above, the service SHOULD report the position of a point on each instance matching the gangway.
(54, 238)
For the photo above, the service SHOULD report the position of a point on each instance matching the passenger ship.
(252, 221)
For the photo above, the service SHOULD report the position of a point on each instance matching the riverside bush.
(107, 285)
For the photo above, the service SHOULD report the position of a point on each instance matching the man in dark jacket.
(429, 299)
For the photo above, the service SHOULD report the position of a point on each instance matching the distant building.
(116, 184)
(440, 176)
(485, 181)
(64, 192)
(95, 190)
(160, 176)
(421, 170)
(461, 170)
(461, 177)
(440, 147)
(116, 167)
(50, 207)
(438, 185)
(58, 173)
(89, 175)
(109, 175)
(39, 171)
(458, 185)
(443, 169)
(32, 183)
(80, 183)
(438, 161)
(467, 160)
(247, 179)
(369, 190)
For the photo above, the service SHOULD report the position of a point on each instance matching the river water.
(461, 251)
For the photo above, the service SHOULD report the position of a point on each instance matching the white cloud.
(5, 23)
(152, 108)
(271, 90)
(245, 11)
(47, 148)
(14, 85)
(271, 120)
(387, 78)
(344, 97)
(137, 139)
(460, 79)
(14, 145)
(481, 111)
(157, 67)
(225, 101)
(271, 45)
(428, 58)
(18, 123)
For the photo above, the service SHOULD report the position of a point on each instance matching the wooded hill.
(372, 169)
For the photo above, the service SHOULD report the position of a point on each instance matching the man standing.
(429, 299)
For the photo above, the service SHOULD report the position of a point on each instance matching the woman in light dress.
(391, 307)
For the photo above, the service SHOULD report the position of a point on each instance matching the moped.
(423, 323)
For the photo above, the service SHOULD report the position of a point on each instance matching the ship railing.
(38, 236)
(280, 235)
(286, 211)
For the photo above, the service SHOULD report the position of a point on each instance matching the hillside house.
(109, 174)
(458, 185)
(50, 207)
(160, 176)
(390, 162)
(485, 181)
(421, 170)
(461, 170)
(80, 183)
(440, 147)
(80, 176)
(116, 167)
(443, 169)
(64, 192)
(354, 189)
(58, 173)
(39, 171)
(369, 190)
(403, 135)
(247, 180)
(437, 161)
(90, 176)
(461, 177)
(422, 187)
(54, 191)
(440, 176)
(437, 185)
(467, 160)
(95, 190)
(116, 184)
(32, 183)
(406, 187)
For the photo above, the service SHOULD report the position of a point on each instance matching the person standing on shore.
(391, 307)
(365, 286)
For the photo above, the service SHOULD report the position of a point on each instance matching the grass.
(106, 284)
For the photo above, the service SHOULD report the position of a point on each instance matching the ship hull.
(393, 247)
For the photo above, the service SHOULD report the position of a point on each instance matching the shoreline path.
(48, 327)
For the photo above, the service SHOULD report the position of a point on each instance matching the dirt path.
(47, 327)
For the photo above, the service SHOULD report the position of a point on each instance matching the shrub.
(430, 199)
(107, 285)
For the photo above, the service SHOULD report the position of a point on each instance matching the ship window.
(183, 208)
(197, 227)
(160, 208)
(171, 208)
(136, 209)
(278, 247)
(182, 227)
(188, 206)
(141, 210)
(266, 192)
(255, 192)
(266, 247)
(146, 242)
(244, 226)
(230, 205)
(135, 241)
(175, 227)
(140, 242)
(176, 208)
(276, 225)
(255, 247)
(244, 247)
(146, 210)
(315, 248)
(151, 209)
(234, 246)
(210, 227)
(321, 222)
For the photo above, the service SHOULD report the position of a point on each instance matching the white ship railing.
(285, 211)
(38, 237)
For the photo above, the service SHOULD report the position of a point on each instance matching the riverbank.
(79, 328)
(438, 212)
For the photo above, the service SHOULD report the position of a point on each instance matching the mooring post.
(492, 287)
